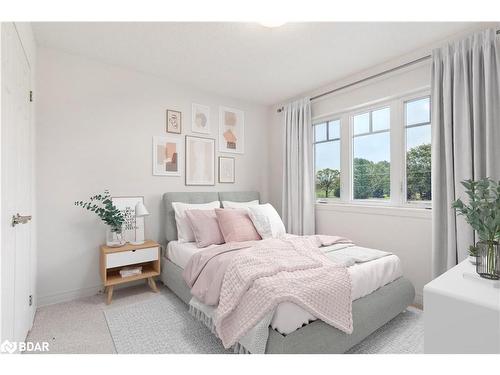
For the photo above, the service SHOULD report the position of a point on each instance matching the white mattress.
(288, 317)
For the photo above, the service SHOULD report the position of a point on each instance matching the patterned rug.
(163, 325)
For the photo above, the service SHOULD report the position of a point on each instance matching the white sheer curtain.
(298, 174)
(466, 135)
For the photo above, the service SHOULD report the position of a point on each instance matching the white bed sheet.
(288, 317)
(180, 253)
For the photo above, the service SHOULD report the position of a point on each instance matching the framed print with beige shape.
(167, 152)
(200, 118)
(231, 130)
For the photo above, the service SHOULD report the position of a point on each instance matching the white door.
(16, 164)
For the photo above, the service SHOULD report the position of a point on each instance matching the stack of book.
(131, 271)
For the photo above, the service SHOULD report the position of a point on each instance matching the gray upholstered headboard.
(239, 196)
(199, 197)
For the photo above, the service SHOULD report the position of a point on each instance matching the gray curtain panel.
(465, 137)
(298, 174)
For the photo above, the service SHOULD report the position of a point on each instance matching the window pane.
(418, 111)
(371, 169)
(320, 132)
(361, 123)
(334, 129)
(327, 169)
(381, 119)
(418, 163)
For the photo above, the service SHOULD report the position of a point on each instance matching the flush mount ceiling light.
(272, 24)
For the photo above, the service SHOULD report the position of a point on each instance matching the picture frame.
(167, 155)
(226, 170)
(200, 118)
(200, 161)
(231, 130)
(174, 122)
(132, 227)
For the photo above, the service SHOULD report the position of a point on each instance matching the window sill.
(376, 209)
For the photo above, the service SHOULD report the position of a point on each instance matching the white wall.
(405, 232)
(94, 132)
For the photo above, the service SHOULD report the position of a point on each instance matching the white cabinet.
(461, 313)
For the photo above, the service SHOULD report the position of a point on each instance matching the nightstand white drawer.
(124, 258)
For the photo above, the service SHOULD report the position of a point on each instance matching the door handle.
(19, 219)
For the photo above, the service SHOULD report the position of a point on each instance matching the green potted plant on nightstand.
(103, 206)
(483, 215)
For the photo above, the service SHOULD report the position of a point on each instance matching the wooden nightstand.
(113, 259)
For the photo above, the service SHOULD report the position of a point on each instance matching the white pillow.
(184, 231)
(267, 221)
(231, 204)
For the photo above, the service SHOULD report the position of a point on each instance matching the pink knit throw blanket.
(275, 271)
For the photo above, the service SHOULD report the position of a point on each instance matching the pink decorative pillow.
(205, 227)
(235, 225)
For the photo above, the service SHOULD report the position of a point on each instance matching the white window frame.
(409, 98)
(351, 154)
(327, 120)
(397, 133)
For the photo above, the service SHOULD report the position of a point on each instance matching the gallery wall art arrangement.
(197, 153)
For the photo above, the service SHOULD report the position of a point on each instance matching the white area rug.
(163, 325)
(160, 325)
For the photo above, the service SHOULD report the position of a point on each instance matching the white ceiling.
(245, 60)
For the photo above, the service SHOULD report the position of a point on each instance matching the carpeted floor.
(160, 325)
(79, 326)
(140, 321)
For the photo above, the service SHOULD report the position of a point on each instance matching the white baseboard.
(71, 295)
(68, 295)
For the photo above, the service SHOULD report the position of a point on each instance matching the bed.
(369, 311)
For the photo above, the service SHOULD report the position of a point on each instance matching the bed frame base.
(369, 313)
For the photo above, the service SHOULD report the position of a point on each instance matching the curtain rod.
(367, 78)
(416, 61)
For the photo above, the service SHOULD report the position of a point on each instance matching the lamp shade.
(141, 210)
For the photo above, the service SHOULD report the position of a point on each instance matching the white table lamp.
(140, 211)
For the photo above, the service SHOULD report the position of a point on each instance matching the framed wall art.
(167, 156)
(231, 130)
(132, 227)
(200, 118)
(200, 161)
(174, 122)
(226, 170)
